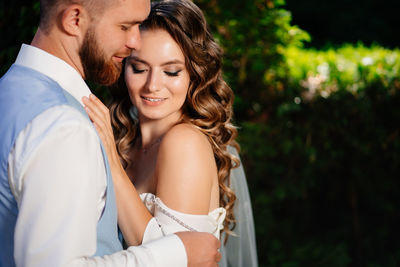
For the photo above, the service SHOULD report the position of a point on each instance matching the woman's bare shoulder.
(185, 169)
(186, 135)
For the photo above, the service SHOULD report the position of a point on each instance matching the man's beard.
(95, 65)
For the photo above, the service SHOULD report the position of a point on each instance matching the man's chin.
(118, 66)
(109, 76)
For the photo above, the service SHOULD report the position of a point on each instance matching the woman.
(174, 144)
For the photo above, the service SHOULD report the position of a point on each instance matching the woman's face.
(156, 77)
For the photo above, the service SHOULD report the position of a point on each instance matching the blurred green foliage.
(349, 68)
(323, 176)
(319, 136)
(319, 132)
(253, 35)
(323, 163)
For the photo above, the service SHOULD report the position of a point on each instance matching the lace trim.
(173, 217)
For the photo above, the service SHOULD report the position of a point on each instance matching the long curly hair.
(209, 100)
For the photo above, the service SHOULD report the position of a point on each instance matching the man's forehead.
(137, 10)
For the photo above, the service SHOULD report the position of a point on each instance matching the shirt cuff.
(152, 232)
(168, 251)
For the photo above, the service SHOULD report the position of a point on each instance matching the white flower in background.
(313, 82)
(353, 88)
(391, 58)
(325, 94)
(324, 70)
(293, 32)
(367, 61)
(341, 65)
(297, 100)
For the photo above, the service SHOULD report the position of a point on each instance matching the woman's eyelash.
(170, 73)
(136, 70)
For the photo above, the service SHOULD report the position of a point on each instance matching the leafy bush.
(349, 68)
(253, 35)
(323, 165)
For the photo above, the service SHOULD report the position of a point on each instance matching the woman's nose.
(154, 82)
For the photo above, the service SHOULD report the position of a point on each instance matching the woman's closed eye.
(137, 69)
(172, 73)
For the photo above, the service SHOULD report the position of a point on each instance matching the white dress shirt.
(57, 175)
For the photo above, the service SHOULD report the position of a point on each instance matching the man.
(57, 204)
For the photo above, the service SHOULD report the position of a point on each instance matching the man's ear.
(75, 20)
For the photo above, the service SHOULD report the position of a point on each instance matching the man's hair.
(49, 9)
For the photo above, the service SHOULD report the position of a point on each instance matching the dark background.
(348, 21)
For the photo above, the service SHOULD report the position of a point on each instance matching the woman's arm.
(133, 216)
(185, 173)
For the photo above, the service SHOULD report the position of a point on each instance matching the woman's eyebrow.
(137, 59)
(171, 62)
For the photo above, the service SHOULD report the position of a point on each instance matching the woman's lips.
(152, 101)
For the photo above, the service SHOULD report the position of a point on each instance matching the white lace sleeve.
(167, 221)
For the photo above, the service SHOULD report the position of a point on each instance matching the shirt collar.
(55, 68)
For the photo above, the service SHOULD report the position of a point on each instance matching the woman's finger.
(100, 107)
(94, 116)
(102, 126)
(104, 129)
(99, 104)
(97, 116)
(94, 107)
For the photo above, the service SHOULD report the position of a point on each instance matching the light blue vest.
(24, 94)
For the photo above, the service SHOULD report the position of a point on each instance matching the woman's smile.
(153, 101)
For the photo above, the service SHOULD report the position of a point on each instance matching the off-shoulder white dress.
(168, 221)
(240, 250)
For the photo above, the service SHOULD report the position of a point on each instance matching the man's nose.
(133, 40)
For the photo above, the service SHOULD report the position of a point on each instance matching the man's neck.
(55, 44)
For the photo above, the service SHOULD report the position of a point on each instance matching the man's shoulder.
(24, 89)
(26, 93)
(19, 73)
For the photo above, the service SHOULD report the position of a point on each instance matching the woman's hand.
(100, 116)
(133, 215)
